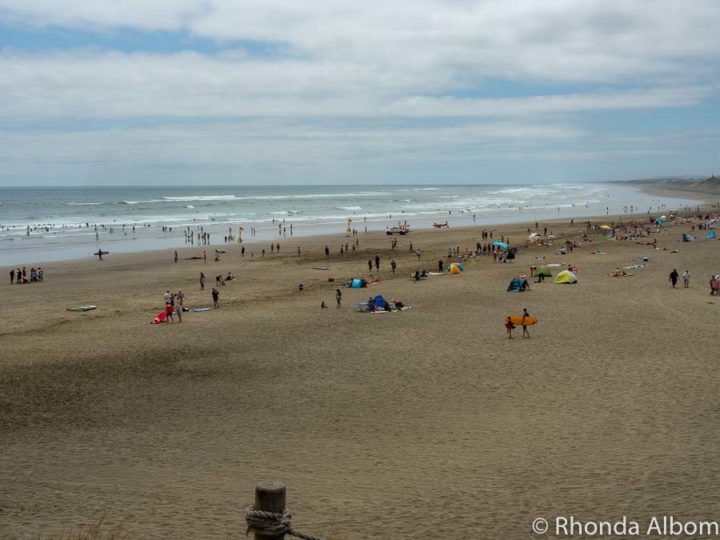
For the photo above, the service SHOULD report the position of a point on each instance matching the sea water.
(45, 224)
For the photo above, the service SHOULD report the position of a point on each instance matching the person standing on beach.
(674, 277)
(205, 256)
(327, 251)
(509, 327)
(524, 316)
(377, 262)
(12, 276)
(215, 297)
(202, 281)
(393, 265)
(338, 297)
(369, 265)
(686, 278)
(440, 265)
(176, 256)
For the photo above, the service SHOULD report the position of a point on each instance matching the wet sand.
(427, 423)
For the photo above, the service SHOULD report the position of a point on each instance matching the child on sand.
(509, 327)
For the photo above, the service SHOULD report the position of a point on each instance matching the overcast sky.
(332, 91)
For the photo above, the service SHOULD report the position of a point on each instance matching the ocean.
(47, 224)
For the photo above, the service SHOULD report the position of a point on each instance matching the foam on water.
(58, 216)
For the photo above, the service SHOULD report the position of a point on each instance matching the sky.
(176, 92)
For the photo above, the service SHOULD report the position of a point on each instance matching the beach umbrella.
(500, 244)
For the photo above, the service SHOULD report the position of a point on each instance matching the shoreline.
(125, 248)
(677, 189)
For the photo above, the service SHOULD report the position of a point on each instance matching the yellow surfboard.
(517, 320)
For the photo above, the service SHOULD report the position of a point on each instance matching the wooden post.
(270, 497)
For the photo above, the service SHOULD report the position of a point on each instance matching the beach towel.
(159, 318)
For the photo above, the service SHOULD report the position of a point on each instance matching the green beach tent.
(565, 277)
(543, 271)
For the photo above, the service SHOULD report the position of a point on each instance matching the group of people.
(19, 276)
(510, 326)
(674, 277)
(220, 279)
(173, 305)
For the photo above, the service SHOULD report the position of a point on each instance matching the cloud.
(189, 85)
(560, 40)
(348, 82)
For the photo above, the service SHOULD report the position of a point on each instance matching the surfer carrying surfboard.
(525, 315)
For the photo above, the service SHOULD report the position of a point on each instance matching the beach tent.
(543, 271)
(659, 220)
(358, 283)
(501, 244)
(711, 235)
(455, 268)
(688, 238)
(565, 277)
(380, 302)
(518, 284)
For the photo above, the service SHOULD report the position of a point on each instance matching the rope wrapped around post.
(273, 524)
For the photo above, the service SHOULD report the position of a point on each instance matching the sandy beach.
(427, 423)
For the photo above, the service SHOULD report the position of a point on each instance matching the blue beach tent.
(358, 283)
(380, 302)
(518, 284)
(711, 235)
(501, 244)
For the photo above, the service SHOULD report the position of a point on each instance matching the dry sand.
(428, 423)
